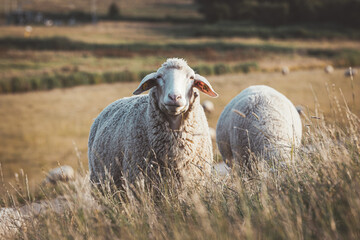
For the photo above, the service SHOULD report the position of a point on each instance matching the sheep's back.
(260, 119)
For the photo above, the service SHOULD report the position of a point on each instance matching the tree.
(113, 11)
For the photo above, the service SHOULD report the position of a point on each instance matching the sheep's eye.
(192, 77)
(159, 76)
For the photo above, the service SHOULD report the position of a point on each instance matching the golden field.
(316, 196)
(40, 130)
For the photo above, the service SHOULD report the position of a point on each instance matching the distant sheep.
(329, 69)
(165, 129)
(212, 133)
(259, 120)
(11, 221)
(285, 70)
(350, 72)
(62, 174)
(208, 106)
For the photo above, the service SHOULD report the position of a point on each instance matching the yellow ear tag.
(144, 86)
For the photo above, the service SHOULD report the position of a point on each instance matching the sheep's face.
(174, 90)
(174, 83)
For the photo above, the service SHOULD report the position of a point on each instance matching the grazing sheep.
(285, 70)
(259, 120)
(63, 174)
(350, 72)
(208, 106)
(329, 69)
(163, 130)
(13, 219)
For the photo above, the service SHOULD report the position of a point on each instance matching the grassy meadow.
(41, 129)
(55, 82)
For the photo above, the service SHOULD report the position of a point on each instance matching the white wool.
(133, 136)
(259, 120)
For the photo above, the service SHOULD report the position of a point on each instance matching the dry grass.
(313, 195)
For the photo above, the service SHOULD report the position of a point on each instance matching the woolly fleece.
(131, 137)
(259, 120)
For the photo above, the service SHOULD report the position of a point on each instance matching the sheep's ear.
(148, 82)
(204, 86)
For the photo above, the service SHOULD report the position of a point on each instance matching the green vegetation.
(284, 31)
(276, 12)
(232, 57)
(146, 49)
(75, 78)
(114, 11)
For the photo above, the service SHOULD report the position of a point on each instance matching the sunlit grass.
(313, 195)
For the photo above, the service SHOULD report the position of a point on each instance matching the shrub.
(126, 76)
(142, 74)
(113, 11)
(221, 68)
(5, 86)
(245, 67)
(50, 82)
(282, 11)
(19, 85)
(204, 70)
(35, 83)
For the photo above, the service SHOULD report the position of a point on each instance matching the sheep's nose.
(174, 97)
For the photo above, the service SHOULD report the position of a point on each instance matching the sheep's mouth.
(175, 109)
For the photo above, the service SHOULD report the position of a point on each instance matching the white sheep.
(259, 120)
(165, 129)
(11, 221)
(329, 69)
(350, 72)
(63, 174)
(285, 70)
(208, 106)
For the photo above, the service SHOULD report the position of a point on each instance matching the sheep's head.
(174, 82)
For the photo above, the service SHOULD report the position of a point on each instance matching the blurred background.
(62, 62)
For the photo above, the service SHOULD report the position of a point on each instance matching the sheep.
(63, 174)
(11, 221)
(221, 169)
(350, 72)
(329, 69)
(212, 132)
(285, 70)
(259, 120)
(208, 106)
(137, 136)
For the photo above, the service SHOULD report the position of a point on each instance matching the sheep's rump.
(259, 120)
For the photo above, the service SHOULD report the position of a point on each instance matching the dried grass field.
(316, 196)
